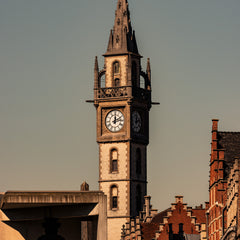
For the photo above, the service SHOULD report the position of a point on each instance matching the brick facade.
(223, 185)
(175, 223)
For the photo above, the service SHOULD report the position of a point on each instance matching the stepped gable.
(173, 223)
(230, 143)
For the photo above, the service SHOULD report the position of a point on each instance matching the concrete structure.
(63, 215)
(179, 222)
(122, 97)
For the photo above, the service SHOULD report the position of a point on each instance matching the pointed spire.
(134, 41)
(110, 42)
(96, 74)
(148, 71)
(96, 64)
(122, 38)
(148, 67)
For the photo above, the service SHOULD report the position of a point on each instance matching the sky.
(47, 51)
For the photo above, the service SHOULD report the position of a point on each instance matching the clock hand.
(118, 119)
(115, 119)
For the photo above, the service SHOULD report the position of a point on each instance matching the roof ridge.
(228, 132)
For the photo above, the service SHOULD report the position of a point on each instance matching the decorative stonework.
(122, 91)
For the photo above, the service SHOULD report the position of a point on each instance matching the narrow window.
(134, 74)
(114, 160)
(116, 82)
(138, 161)
(114, 197)
(180, 227)
(142, 82)
(138, 199)
(102, 81)
(116, 68)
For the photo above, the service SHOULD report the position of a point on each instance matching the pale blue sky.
(47, 50)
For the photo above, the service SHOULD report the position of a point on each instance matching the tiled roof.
(230, 142)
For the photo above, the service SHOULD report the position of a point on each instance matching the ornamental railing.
(126, 91)
(112, 92)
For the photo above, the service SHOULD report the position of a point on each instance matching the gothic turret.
(122, 37)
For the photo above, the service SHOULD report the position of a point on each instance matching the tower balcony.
(123, 92)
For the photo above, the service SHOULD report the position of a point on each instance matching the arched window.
(116, 82)
(138, 199)
(180, 227)
(114, 197)
(116, 74)
(138, 161)
(102, 81)
(142, 82)
(114, 160)
(116, 68)
(134, 74)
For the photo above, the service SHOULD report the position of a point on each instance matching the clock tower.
(122, 97)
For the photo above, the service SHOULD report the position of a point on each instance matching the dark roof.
(230, 142)
(150, 228)
(159, 217)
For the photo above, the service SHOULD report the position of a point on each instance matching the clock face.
(114, 121)
(136, 121)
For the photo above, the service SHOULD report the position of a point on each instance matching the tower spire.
(122, 38)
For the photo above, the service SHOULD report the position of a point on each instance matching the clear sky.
(47, 50)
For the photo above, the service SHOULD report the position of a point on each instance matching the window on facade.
(114, 197)
(116, 82)
(142, 82)
(138, 161)
(116, 68)
(102, 81)
(134, 73)
(114, 160)
(180, 227)
(138, 199)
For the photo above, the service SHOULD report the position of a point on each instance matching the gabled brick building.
(219, 220)
(223, 185)
(175, 223)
